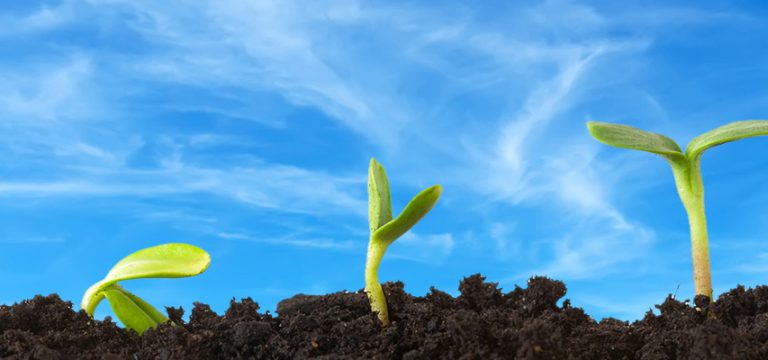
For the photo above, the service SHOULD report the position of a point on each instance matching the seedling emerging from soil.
(686, 167)
(385, 230)
(162, 261)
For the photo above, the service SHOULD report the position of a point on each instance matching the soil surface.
(481, 323)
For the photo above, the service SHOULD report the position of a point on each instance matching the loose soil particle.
(481, 323)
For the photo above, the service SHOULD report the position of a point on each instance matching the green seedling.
(385, 230)
(686, 168)
(162, 261)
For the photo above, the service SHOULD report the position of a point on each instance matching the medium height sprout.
(385, 230)
(686, 167)
(162, 261)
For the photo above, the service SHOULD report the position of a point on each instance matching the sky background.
(246, 128)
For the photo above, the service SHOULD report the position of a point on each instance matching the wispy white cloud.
(487, 106)
(539, 160)
(45, 18)
(425, 248)
(254, 46)
(625, 309)
(290, 241)
(35, 240)
(756, 263)
(666, 17)
(177, 215)
(513, 158)
(508, 245)
(526, 165)
(300, 52)
(422, 248)
(48, 92)
(276, 187)
(50, 108)
(285, 47)
(598, 249)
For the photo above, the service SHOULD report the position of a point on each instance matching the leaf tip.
(595, 129)
(437, 190)
(206, 261)
(374, 164)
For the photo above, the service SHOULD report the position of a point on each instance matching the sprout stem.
(702, 277)
(372, 286)
(690, 187)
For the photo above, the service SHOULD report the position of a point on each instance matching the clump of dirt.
(481, 323)
(46, 327)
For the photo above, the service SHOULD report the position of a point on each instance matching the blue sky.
(246, 127)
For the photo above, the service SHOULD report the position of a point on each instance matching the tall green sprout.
(385, 230)
(686, 168)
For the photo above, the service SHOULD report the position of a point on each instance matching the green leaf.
(379, 202)
(629, 137)
(734, 131)
(419, 206)
(162, 261)
(132, 311)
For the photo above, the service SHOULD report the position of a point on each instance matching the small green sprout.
(385, 230)
(686, 168)
(162, 261)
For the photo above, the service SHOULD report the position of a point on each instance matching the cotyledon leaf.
(379, 201)
(132, 311)
(726, 133)
(163, 261)
(629, 137)
(419, 206)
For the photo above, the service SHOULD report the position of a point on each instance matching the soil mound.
(481, 323)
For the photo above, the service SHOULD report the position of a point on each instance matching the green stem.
(690, 187)
(702, 277)
(372, 286)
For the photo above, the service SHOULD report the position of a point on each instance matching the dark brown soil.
(482, 323)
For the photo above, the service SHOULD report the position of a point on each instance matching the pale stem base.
(372, 286)
(702, 276)
(690, 187)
